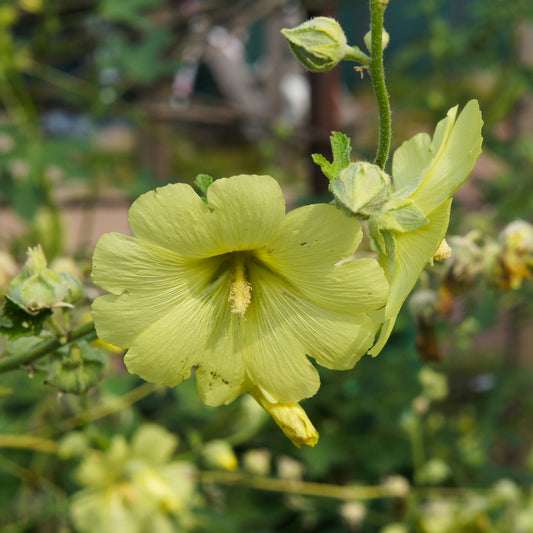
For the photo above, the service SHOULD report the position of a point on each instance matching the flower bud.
(291, 418)
(37, 287)
(319, 44)
(257, 461)
(75, 368)
(435, 384)
(384, 40)
(396, 486)
(219, 454)
(362, 189)
(435, 471)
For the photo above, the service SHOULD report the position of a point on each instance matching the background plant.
(459, 436)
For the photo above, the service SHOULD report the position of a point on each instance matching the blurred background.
(102, 100)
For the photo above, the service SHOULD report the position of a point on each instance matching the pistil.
(240, 294)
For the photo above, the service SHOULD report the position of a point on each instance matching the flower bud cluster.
(37, 287)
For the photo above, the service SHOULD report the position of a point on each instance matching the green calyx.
(361, 189)
(319, 44)
(75, 368)
(37, 287)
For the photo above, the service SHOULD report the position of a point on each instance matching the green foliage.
(341, 148)
(448, 441)
(16, 321)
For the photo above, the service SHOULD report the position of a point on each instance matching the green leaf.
(16, 321)
(203, 181)
(341, 148)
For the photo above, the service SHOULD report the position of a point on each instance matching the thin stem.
(326, 490)
(47, 346)
(355, 54)
(377, 73)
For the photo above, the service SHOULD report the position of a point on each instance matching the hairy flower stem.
(47, 346)
(377, 73)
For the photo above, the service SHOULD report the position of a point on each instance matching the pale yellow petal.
(175, 217)
(455, 159)
(413, 251)
(247, 211)
(147, 282)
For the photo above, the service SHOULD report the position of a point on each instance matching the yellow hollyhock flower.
(134, 487)
(412, 224)
(240, 291)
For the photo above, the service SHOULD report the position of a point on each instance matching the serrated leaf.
(341, 148)
(203, 181)
(325, 165)
(16, 321)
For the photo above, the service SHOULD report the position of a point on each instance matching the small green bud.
(75, 368)
(434, 383)
(319, 44)
(434, 472)
(384, 40)
(37, 287)
(362, 189)
(73, 288)
(219, 454)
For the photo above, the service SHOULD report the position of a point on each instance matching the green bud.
(73, 444)
(384, 40)
(319, 44)
(219, 454)
(434, 383)
(362, 189)
(402, 215)
(75, 368)
(37, 287)
(435, 471)
(73, 288)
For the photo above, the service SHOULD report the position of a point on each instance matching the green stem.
(355, 54)
(377, 73)
(47, 346)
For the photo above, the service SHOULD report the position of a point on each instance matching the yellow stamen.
(443, 252)
(240, 294)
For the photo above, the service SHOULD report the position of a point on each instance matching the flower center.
(240, 294)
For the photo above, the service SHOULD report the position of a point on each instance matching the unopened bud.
(75, 368)
(37, 287)
(362, 189)
(384, 40)
(219, 454)
(291, 418)
(319, 44)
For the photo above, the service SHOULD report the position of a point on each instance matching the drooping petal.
(247, 211)
(458, 152)
(176, 218)
(413, 251)
(146, 283)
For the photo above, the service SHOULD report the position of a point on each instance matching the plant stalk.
(9, 363)
(377, 73)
